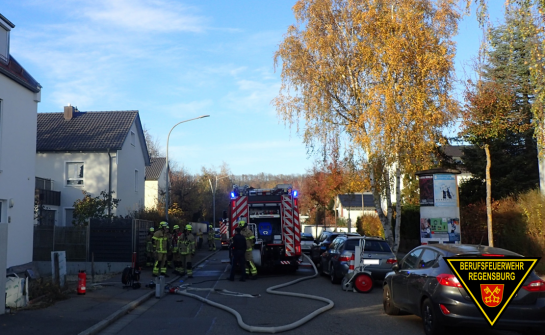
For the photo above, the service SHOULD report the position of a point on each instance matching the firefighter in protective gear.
(176, 258)
(150, 257)
(169, 247)
(160, 243)
(211, 238)
(186, 247)
(250, 241)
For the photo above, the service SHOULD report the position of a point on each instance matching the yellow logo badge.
(492, 281)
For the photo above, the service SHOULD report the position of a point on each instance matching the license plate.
(371, 261)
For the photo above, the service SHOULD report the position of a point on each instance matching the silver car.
(307, 240)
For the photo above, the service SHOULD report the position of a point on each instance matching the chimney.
(68, 112)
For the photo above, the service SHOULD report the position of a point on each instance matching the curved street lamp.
(168, 181)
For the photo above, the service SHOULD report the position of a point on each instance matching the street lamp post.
(213, 189)
(168, 177)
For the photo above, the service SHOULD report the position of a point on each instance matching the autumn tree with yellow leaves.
(376, 73)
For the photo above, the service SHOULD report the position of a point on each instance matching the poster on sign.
(445, 190)
(426, 190)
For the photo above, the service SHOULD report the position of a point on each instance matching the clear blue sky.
(175, 60)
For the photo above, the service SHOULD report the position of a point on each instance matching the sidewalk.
(79, 313)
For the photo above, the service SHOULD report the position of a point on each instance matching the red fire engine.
(273, 216)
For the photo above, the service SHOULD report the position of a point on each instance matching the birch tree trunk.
(398, 209)
(489, 197)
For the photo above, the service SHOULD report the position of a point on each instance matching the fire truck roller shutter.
(256, 254)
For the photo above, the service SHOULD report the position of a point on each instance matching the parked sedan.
(424, 285)
(336, 260)
(307, 240)
(321, 244)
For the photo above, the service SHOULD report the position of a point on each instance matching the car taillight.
(535, 286)
(344, 259)
(391, 261)
(444, 309)
(448, 280)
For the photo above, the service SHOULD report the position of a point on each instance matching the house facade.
(156, 182)
(93, 152)
(19, 98)
(353, 205)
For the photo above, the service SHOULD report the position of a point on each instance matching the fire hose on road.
(183, 290)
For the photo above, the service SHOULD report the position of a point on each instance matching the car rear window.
(307, 238)
(380, 246)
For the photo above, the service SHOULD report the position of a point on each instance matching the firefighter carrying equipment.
(186, 246)
(250, 241)
(160, 239)
(255, 329)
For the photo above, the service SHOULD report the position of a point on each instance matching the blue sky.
(176, 60)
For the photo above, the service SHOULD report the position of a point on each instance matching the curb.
(100, 326)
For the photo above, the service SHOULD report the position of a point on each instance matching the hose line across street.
(183, 290)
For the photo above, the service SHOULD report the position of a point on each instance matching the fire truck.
(273, 217)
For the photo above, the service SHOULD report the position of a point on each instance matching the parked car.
(336, 260)
(423, 284)
(321, 244)
(307, 240)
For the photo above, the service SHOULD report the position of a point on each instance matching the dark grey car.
(424, 285)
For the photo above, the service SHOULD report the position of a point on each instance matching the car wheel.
(387, 302)
(430, 317)
(332, 277)
(363, 283)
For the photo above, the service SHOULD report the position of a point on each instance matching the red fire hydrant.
(82, 282)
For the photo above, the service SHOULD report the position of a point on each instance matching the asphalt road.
(354, 313)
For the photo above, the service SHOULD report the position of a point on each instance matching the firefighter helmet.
(188, 227)
(152, 229)
(176, 227)
(242, 223)
(210, 226)
(163, 224)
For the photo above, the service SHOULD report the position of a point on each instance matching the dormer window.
(5, 27)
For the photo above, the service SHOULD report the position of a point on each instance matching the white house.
(95, 152)
(156, 182)
(19, 98)
(351, 206)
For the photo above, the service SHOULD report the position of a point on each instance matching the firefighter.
(186, 247)
(176, 258)
(169, 247)
(211, 238)
(149, 248)
(250, 241)
(160, 240)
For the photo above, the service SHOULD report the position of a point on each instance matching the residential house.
(19, 98)
(156, 182)
(456, 153)
(351, 206)
(92, 152)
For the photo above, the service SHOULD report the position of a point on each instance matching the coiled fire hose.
(183, 290)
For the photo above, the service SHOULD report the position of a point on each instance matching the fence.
(73, 240)
(105, 240)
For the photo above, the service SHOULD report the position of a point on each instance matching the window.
(380, 246)
(68, 217)
(74, 174)
(410, 261)
(428, 259)
(1, 212)
(133, 138)
(0, 135)
(136, 180)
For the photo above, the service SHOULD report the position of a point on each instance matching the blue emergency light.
(232, 195)
(295, 193)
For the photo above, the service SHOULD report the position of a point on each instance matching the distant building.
(156, 182)
(351, 206)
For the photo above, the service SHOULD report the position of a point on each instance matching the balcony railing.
(48, 197)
